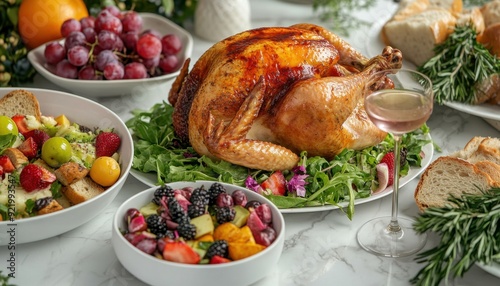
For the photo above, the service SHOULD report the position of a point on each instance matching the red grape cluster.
(112, 46)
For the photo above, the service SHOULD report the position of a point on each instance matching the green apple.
(8, 126)
(56, 151)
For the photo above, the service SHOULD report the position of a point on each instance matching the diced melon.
(204, 225)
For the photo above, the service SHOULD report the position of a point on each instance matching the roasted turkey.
(259, 98)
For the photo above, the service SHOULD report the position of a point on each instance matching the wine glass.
(397, 110)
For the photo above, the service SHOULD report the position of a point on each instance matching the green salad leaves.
(349, 176)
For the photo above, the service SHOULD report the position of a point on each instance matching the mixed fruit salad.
(50, 164)
(205, 225)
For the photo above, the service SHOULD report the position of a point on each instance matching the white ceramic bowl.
(155, 271)
(88, 113)
(105, 88)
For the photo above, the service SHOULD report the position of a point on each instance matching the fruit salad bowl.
(88, 113)
(155, 270)
(120, 87)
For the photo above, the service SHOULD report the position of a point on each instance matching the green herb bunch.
(15, 67)
(349, 176)
(340, 13)
(459, 63)
(469, 227)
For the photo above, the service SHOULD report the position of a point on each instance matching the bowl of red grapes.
(114, 53)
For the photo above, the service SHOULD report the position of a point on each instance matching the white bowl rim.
(196, 266)
(125, 170)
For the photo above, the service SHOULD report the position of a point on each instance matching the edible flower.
(297, 183)
(252, 184)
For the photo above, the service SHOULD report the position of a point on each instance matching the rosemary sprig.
(459, 63)
(469, 227)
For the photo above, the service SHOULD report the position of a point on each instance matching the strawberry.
(106, 144)
(178, 251)
(6, 164)
(34, 177)
(389, 160)
(275, 184)
(216, 259)
(29, 148)
(40, 136)
(22, 127)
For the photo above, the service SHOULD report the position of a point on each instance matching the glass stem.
(394, 225)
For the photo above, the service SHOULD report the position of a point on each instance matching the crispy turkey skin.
(260, 97)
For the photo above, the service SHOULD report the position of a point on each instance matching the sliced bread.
(417, 34)
(469, 148)
(492, 169)
(449, 176)
(20, 101)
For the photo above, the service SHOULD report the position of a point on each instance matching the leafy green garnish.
(349, 176)
(6, 141)
(55, 188)
(469, 227)
(4, 212)
(30, 204)
(459, 63)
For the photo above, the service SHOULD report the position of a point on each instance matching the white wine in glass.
(397, 110)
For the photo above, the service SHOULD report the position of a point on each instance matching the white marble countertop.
(320, 248)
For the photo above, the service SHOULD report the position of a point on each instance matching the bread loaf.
(473, 169)
(417, 34)
(20, 101)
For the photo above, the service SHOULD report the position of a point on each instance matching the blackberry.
(186, 230)
(177, 213)
(225, 214)
(41, 203)
(200, 195)
(170, 234)
(162, 191)
(156, 225)
(196, 209)
(219, 247)
(214, 190)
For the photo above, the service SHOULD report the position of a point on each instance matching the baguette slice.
(20, 101)
(491, 12)
(469, 148)
(431, 26)
(489, 150)
(410, 7)
(454, 6)
(448, 176)
(492, 169)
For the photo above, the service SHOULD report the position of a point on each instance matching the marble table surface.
(320, 247)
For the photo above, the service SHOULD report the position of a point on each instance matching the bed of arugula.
(349, 176)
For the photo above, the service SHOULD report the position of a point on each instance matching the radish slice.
(383, 177)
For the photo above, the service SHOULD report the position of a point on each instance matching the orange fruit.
(40, 20)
